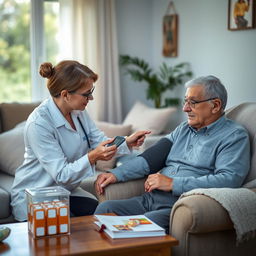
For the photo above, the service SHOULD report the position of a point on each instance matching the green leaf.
(172, 102)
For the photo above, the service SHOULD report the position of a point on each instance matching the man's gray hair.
(213, 88)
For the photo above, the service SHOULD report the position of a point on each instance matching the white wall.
(204, 42)
(134, 34)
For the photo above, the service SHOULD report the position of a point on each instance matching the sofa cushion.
(251, 184)
(5, 204)
(88, 183)
(11, 149)
(111, 130)
(13, 113)
(6, 181)
(142, 117)
(5, 198)
(106, 165)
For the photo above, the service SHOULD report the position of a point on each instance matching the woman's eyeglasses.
(86, 95)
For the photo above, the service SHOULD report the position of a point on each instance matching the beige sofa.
(201, 224)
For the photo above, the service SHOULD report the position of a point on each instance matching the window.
(28, 36)
(14, 50)
(44, 41)
(51, 30)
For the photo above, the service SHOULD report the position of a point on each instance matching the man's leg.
(160, 217)
(122, 207)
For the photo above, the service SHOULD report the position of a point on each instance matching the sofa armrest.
(198, 214)
(123, 190)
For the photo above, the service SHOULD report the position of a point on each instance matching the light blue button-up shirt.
(55, 153)
(215, 156)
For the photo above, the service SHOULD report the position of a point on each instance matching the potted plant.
(158, 82)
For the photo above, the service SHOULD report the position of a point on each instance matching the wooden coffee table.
(83, 240)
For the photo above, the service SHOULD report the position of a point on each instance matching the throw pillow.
(142, 117)
(111, 130)
(12, 149)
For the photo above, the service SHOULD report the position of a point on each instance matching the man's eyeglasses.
(86, 95)
(192, 103)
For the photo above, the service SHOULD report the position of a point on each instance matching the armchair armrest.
(123, 190)
(198, 214)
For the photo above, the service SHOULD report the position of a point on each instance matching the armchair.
(201, 224)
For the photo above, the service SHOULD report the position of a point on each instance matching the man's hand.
(158, 181)
(136, 139)
(104, 180)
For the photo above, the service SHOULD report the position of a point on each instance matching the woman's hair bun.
(46, 69)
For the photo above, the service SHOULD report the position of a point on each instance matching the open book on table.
(128, 226)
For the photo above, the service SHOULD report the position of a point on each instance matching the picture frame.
(170, 35)
(241, 14)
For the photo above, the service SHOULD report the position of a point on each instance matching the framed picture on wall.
(170, 35)
(241, 14)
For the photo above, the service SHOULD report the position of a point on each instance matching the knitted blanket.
(240, 204)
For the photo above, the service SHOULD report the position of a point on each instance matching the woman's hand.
(102, 152)
(136, 139)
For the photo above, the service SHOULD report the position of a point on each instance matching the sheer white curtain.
(88, 33)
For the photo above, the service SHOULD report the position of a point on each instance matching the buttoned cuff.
(117, 174)
(177, 186)
(123, 149)
(90, 169)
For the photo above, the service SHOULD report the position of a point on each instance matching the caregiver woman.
(62, 143)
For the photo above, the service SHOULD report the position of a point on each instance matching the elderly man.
(206, 151)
